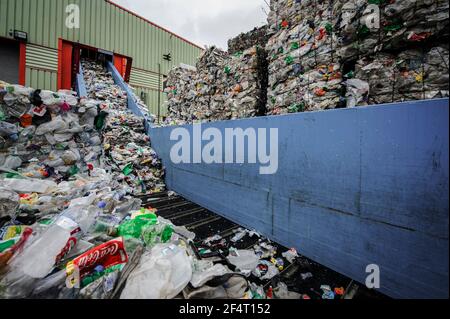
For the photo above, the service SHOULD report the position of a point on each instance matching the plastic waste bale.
(181, 93)
(246, 76)
(304, 71)
(409, 75)
(357, 92)
(198, 95)
(161, 274)
(221, 87)
(366, 27)
(313, 42)
(244, 41)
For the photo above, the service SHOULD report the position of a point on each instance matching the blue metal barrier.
(354, 187)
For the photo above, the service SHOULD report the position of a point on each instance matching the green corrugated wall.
(102, 25)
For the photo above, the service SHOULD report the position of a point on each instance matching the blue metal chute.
(132, 102)
(80, 85)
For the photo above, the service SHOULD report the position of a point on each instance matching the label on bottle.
(107, 255)
(12, 232)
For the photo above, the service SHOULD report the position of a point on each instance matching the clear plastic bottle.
(38, 260)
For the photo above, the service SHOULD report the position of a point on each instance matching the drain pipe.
(159, 93)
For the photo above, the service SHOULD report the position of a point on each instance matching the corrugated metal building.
(103, 25)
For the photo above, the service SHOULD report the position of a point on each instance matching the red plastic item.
(270, 293)
(339, 291)
(107, 255)
(322, 34)
(417, 37)
(26, 120)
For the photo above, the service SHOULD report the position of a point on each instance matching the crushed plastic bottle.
(162, 274)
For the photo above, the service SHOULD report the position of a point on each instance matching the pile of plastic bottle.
(65, 195)
(126, 144)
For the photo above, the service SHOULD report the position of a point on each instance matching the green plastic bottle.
(134, 227)
(127, 170)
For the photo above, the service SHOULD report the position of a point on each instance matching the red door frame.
(123, 65)
(65, 62)
(128, 69)
(69, 59)
(22, 63)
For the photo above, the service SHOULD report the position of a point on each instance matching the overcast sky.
(204, 22)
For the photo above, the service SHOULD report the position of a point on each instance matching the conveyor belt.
(205, 224)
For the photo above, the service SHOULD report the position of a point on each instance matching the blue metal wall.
(354, 187)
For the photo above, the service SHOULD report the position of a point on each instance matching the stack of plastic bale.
(390, 52)
(304, 69)
(358, 27)
(125, 141)
(414, 23)
(243, 87)
(247, 73)
(46, 135)
(181, 94)
(409, 75)
(221, 87)
(200, 95)
(212, 102)
(244, 41)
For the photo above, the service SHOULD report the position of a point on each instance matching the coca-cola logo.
(91, 258)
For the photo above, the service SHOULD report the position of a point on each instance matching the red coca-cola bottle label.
(107, 255)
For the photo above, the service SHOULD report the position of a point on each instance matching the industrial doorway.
(70, 54)
(10, 59)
